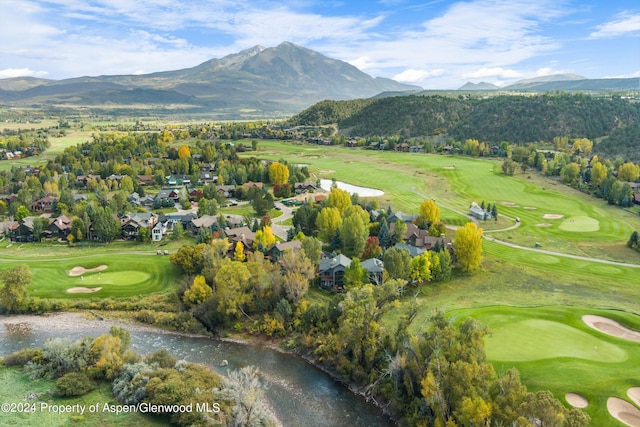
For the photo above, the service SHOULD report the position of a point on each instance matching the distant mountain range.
(256, 82)
(566, 82)
(268, 81)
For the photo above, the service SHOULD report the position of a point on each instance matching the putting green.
(117, 278)
(535, 339)
(580, 224)
(545, 259)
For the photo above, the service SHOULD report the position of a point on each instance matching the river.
(299, 393)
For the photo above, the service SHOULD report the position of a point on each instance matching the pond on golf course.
(360, 191)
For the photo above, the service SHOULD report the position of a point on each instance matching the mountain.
(479, 86)
(280, 80)
(574, 82)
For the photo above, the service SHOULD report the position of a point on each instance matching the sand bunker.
(543, 224)
(634, 394)
(505, 203)
(552, 216)
(78, 271)
(576, 400)
(449, 167)
(82, 290)
(624, 411)
(611, 327)
(325, 172)
(529, 208)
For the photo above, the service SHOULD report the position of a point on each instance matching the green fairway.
(126, 275)
(555, 350)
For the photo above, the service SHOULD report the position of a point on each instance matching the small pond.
(360, 191)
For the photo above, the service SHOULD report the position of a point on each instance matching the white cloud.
(623, 24)
(416, 76)
(497, 72)
(624, 76)
(20, 72)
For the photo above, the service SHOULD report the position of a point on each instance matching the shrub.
(74, 384)
(22, 357)
(163, 358)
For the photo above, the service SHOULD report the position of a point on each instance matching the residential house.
(420, 238)
(240, 234)
(158, 231)
(60, 227)
(23, 231)
(196, 194)
(332, 270)
(146, 180)
(401, 216)
(304, 187)
(479, 212)
(277, 251)
(8, 198)
(45, 204)
(375, 270)
(206, 178)
(226, 190)
(174, 194)
(413, 251)
(205, 221)
(134, 199)
(249, 185)
(177, 180)
(132, 223)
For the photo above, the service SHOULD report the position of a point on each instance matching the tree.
(598, 173)
(354, 233)
(13, 295)
(278, 173)
(312, 248)
(231, 280)
(399, 231)
(264, 238)
(468, 246)
(328, 221)
(372, 248)
(634, 240)
(509, 167)
(339, 199)
(628, 172)
(21, 213)
(198, 292)
(39, 225)
(397, 262)
(298, 272)
(184, 152)
(570, 174)
(420, 269)
(383, 234)
(238, 253)
(144, 235)
(429, 214)
(354, 275)
(261, 201)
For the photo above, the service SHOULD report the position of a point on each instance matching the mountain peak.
(479, 86)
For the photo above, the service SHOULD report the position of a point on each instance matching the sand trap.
(624, 411)
(543, 224)
(611, 327)
(78, 271)
(634, 394)
(82, 290)
(552, 216)
(529, 208)
(505, 203)
(324, 172)
(449, 167)
(576, 400)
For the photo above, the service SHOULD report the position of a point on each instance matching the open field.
(554, 349)
(588, 225)
(17, 387)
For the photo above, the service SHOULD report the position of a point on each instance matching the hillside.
(281, 80)
(517, 119)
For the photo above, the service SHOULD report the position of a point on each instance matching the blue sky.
(434, 44)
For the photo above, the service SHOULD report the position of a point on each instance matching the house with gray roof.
(332, 270)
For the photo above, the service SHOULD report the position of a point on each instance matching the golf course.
(565, 258)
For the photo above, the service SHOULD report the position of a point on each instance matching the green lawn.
(16, 387)
(555, 350)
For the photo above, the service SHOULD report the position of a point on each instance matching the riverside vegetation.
(384, 339)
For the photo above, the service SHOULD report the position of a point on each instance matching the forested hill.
(517, 119)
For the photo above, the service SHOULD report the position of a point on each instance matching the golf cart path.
(541, 251)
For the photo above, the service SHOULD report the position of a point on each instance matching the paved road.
(281, 230)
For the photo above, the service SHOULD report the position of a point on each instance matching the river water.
(299, 393)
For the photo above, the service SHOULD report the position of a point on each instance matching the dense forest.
(516, 119)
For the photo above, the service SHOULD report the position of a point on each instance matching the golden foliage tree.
(278, 173)
(184, 152)
(328, 221)
(238, 253)
(264, 237)
(339, 199)
(198, 292)
(429, 214)
(468, 246)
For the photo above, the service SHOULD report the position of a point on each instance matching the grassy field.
(588, 226)
(16, 386)
(131, 270)
(555, 350)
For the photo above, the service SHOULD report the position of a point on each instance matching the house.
(375, 270)
(145, 180)
(240, 234)
(23, 231)
(205, 221)
(196, 194)
(332, 270)
(636, 198)
(173, 194)
(479, 212)
(8, 198)
(249, 185)
(206, 178)
(304, 187)
(60, 227)
(132, 223)
(279, 249)
(226, 190)
(419, 238)
(413, 250)
(158, 231)
(45, 204)
(134, 199)
(401, 216)
(177, 180)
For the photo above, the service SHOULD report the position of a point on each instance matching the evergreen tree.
(383, 234)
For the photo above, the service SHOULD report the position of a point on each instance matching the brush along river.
(298, 393)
